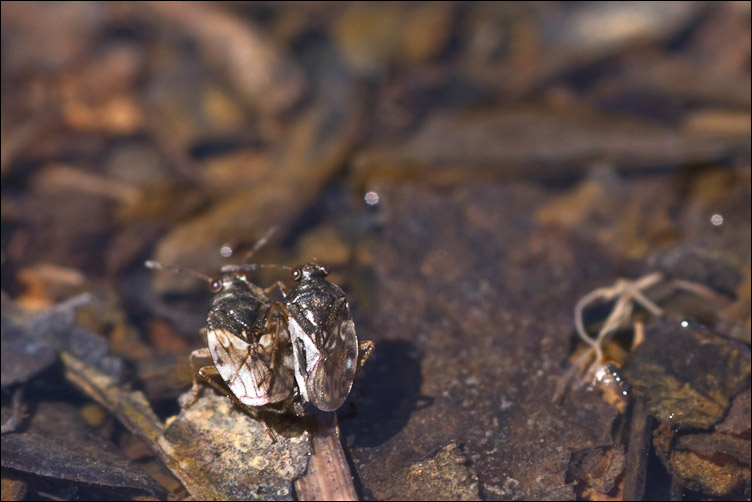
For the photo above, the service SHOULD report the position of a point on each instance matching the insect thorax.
(238, 308)
(316, 299)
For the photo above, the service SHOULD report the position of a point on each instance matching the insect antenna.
(274, 265)
(249, 267)
(155, 265)
(259, 243)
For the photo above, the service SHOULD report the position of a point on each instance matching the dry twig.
(328, 475)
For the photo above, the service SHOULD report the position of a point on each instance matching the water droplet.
(371, 198)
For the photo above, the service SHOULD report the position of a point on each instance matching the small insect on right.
(325, 347)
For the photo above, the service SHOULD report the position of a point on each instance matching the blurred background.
(469, 170)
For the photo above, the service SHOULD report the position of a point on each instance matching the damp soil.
(467, 172)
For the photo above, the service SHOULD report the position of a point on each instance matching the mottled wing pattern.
(245, 369)
(332, 377)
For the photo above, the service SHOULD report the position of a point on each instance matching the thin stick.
(134, 411)
(328, 475)
(638, 449)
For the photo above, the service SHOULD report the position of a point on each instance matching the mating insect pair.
(262, 349)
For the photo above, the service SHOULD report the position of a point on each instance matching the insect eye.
(296, 273)
(215, 286)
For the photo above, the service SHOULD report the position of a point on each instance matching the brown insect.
(248, 345)
(324, 343)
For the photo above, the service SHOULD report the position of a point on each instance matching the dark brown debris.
(692, 387)
(57, 445)
(470, 171)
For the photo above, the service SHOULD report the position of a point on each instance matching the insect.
(247, 343)
(325, 348)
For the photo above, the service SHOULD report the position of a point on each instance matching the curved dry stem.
(635, 288)
(627, 293)
(604, 294)
(700, 290)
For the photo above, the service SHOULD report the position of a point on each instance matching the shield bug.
(324, 344)
(246, 341)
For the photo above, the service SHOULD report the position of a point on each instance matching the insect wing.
(330, 382)
(325, 354)
(245, 369)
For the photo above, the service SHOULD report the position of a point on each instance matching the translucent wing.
(332, 377)
(325, 355)
(246, 369)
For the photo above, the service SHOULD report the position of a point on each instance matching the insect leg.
(198, 359)
(365, 349)
(279, 285)
(273, 316)
(248, 355)
(208, 374)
